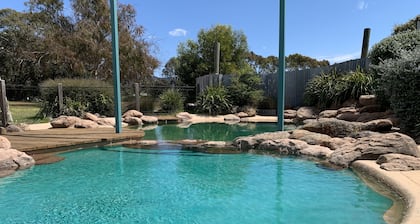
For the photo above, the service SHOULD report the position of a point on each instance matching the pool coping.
(404, 183)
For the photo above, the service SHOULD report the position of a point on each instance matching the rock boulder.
(64, 121)
(398, 162)
(374, 146)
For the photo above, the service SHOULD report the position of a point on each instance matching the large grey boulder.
(132, 113)
(250, 142)
(106, 121)
(333, 127)
(372, 147)
(12, 159)
(82, 123)
(398, 162)
(366, 100)
(317, 151)
(133, 120)
(149, 119)
(4, 143)
(340, 128)
(311, 138)
(290, 114)
(283, 146)
(90, 116)
(65, 121)
(328, 114)
(304, 113)
(380, 125)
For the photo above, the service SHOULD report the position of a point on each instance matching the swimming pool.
(171, 185)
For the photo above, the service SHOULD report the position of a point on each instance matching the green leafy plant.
(214, 101)
(400, 83)
(79, 96)
(333, 88)
(245, 90)
(171, 101)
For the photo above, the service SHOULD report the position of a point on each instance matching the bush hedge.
(171, 101)
(79, 96)
(400, 83)
(245, 90)
(393, 47)
(334, 88)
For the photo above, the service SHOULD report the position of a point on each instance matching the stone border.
(399, 182)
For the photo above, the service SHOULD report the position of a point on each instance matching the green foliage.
(299, 62)
(44, 43)
(171, 101)
(245, 90)
(400, 83)
(196, 58)
(408, 26)
(394, 47)
(214, 101)
(79, 96)
(332, 88)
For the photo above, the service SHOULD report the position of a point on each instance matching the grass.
(25, 112)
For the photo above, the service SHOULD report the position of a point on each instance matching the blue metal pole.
(116, 65)
(281, 70)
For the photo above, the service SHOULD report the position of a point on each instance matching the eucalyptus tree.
(196, 58)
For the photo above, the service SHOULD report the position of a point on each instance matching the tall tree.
(299, 62)
(196, 58)
(43, 44)
(263, 65)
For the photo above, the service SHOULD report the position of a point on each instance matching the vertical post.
(3, 102)
(116, 66)
(60, 97)
(217, 58)
(137, 94)
(365, 44)
(280, 83)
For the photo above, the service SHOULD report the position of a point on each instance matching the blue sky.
(322, 29)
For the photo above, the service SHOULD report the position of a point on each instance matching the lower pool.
(171, 185)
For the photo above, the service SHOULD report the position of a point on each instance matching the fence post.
(60, 97)
(3, 103)
(137, 94)
(365, 44)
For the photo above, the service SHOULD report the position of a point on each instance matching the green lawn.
(25, 112)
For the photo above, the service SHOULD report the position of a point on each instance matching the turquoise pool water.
(209, 131)
(171, 185)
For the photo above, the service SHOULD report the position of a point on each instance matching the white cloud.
(178, 32)
(341, 58)
(362, 5)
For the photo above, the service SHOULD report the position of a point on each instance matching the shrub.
(400, 83)
(333, 88)
(79, 96)
(214, 100)
(171, 101)
(394, 46)
(245, 90)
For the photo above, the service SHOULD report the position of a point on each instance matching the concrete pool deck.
(405, 183)
(39, 138)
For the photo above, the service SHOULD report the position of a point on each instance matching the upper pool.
(171, 185)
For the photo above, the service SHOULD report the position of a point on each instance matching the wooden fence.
(295, 81)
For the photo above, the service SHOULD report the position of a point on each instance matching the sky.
(321, 29)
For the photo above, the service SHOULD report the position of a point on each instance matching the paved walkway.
(406, 184)
(57, 139)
